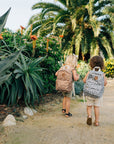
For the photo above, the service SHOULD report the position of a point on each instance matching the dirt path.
(51, 127)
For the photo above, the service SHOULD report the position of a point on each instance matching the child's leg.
(96, 111)
(89, 110)
(67, 104)
(64, 103)
(89, 117)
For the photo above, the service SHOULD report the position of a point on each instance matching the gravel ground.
(50, 126)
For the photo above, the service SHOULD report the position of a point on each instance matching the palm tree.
(110, 11)
(101, 26)
(78, 21)
(41, 26)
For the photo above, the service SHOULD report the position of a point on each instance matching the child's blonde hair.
(71, 60)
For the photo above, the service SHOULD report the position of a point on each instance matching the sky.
(20, 13)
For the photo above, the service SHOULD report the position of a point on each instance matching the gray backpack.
(94, 86)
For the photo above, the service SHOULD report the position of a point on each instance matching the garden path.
(49, 126)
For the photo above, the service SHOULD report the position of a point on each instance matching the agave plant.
(6, 64)
(25, 84)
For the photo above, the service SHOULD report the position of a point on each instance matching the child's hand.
(78, 76)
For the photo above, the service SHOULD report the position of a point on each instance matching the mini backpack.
(94, 86)
(64, 79)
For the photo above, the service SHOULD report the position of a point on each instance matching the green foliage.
(6, 64)
(28, 81)
(78, 85)
(51, 64)
(82, 69)
(11, 41)
(109, 68)
(24, 83)
(86, 27)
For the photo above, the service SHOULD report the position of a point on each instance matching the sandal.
(96, 123)
(89, 120)
(68, 114)
(63, 110)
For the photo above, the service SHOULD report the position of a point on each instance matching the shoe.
(68, 115)
(63, 110)
(96, 123)
(89, 120)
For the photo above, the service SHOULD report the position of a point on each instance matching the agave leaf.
(19, 65)
(18, 71)
(13, 94)
(6, 63)
(4, 78)
(18, 75)
(2, 94)
(3, 19)
(39, 60)
(23, 61)
(38, 82)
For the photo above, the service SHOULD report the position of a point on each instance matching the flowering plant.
(109, 68)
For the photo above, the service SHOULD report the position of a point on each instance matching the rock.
(34, 111)
(9, 121)
(24, 117)
(29, 111)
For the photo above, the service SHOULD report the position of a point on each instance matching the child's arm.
(75, 75)
(56, 73)
(105, 80)
(84, 80)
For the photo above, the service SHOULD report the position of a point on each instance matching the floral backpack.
(64, 79)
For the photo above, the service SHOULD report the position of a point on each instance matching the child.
(96, 62)
(70, 64)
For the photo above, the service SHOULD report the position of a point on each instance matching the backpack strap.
(97, 67)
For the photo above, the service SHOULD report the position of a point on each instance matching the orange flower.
(47, 40)
(78, 66)
(22, 28)
(1, 37)
(33, 37)
(61, 36)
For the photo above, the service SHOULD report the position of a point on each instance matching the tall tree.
(82, 23)
(109, 9)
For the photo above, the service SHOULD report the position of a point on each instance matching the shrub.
(78, 85)
(109, 68)
(25, 82)
(82, 69)
(51, 65)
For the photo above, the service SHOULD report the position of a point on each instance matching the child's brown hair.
(97, 61)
